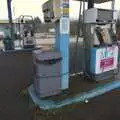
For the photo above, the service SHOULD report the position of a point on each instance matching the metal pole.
(10, 22)
(90, 4)
(113, 4)
(113, 7)
(78, 35)
(62, 43)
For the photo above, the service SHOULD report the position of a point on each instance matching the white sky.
(33, 7)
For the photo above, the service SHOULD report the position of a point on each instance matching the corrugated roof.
(97, 1)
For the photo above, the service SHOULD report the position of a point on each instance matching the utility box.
(96, 15)
(54, 9)
(51, 10)
(47, 73)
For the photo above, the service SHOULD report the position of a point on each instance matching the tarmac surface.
(105, 107)
(14, 104)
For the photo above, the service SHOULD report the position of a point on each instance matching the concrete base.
(47, 104)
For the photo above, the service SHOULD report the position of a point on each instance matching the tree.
(37, 20)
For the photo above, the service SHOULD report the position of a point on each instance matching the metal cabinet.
(47, 72)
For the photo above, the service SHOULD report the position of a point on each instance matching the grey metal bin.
(47, 73)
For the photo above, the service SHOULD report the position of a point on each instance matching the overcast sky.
(33, 7)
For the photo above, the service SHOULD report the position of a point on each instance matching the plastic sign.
(64, 25)
(104, 59)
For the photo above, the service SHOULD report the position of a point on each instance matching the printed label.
(64, 25)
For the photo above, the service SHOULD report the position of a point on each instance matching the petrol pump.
(26, 31)
(101, 49)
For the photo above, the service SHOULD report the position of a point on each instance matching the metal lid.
(48, 55)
